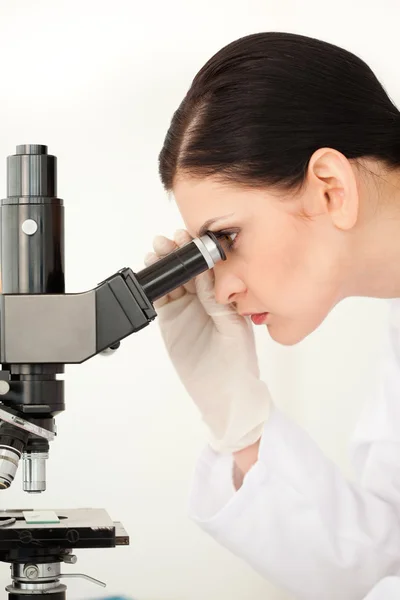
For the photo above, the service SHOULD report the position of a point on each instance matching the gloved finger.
(150, 259)
(178, 292)
(161, 301)
(222, 314)
(205, 288)
(181, 237)
(206, 293)
(205, 283)
(163, 245)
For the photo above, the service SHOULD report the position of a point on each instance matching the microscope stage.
(77, 528)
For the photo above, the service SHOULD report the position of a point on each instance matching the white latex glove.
(213, 351)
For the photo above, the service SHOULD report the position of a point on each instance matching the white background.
(98, 82)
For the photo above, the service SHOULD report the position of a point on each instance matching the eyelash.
(227, 233)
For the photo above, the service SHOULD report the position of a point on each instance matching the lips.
(257, 318)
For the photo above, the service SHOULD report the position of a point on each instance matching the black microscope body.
(42, 328)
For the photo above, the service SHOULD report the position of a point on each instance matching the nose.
(228, 285)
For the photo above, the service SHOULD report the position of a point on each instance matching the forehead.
(199, 200)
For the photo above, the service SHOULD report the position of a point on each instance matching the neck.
(375, 272)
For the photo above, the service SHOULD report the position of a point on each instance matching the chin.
(289, 334)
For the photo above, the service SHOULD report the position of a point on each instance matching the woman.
(292, 147)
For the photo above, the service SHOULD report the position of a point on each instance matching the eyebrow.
(206, 226)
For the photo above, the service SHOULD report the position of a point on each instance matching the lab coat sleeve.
(297, 521)
(376, 442)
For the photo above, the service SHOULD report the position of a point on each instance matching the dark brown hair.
(259, 109)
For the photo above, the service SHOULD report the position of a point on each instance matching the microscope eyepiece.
(31, 174)
(180, 266)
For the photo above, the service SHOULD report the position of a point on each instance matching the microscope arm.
(71, 328)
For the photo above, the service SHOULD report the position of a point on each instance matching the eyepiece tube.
(180, 266)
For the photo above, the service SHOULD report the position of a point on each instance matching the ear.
(333, 188)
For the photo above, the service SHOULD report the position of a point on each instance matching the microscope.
(42, 329)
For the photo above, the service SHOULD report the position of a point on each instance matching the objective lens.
(12, 445)
(34, 471)
(9, 459)
(180, 266)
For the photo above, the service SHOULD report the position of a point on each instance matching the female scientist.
(291, 146)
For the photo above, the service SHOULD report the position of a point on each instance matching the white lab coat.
(296, 519)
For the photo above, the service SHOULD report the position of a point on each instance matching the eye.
(229, 237)
(233, 236)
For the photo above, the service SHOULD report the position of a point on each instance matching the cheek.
(290, 273)
(279, 253)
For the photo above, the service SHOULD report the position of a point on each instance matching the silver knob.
(31, 571)
(70, 559)
(4, 387)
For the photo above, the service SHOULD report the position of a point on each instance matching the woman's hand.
(213, 351)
